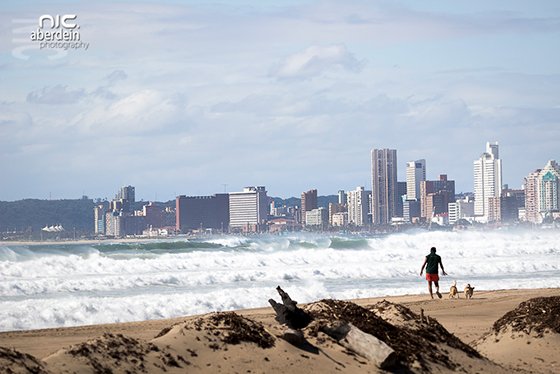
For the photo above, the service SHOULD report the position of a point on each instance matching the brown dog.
(453, 290)
(469, 291)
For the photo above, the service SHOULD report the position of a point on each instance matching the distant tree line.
(322, 201)
(31, 215)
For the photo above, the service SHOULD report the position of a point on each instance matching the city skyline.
(201, 99)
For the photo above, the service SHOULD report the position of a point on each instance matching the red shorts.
(432, 277)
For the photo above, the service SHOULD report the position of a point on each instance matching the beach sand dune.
(528, 335)
(488, 334)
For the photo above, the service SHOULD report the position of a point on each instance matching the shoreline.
(467, 319)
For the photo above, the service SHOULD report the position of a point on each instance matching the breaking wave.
(67, 284)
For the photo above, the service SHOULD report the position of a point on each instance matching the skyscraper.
(531, 197)
(126, 198)
(542, 193)
(384, 185)
(549, 188)
(415, 173)
(341, 197)
(357, 202)
(126, 193)
(308, 202)
(487, 181)
(99, 218)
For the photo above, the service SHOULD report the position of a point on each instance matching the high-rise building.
(549, 188)
(487, 181)
(248, 209)
(124, 199)
(126, 193)
(120, 218)
(512, 202)
(341, 197)
(99, 218)
(357, 202)
(531, 197)
(384, 185)
(435, 196)
(415, 173)
(202, 212)
(308, 202)
(401, 195)
(542, 193)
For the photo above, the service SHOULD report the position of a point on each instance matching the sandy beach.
(251, 340)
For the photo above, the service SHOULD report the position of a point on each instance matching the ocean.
(57, 285)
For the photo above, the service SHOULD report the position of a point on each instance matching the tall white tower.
(415, 173)
(487, 180)
(357, 202)
(549, 189)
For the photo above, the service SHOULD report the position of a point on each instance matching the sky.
(196, 97)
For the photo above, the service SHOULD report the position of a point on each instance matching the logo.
(58, 31)
(53, 33)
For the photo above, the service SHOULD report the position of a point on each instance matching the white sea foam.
(64, 285)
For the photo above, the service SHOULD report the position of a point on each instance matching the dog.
(469, 291)
(453, 290)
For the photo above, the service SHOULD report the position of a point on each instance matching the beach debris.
(288, 312)
(365, 345)
(13, 361)
(538, 315)
(294, 337)
(231, 328)
(415, 343)
(120, 353)
(405, 319)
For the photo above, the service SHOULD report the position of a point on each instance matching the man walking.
(431, 264)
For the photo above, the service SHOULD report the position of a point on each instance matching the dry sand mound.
(421, 345)
(222, 342)
(530, 333)
(227, 328)
(14, 362)
(539, 316)
(114, 353)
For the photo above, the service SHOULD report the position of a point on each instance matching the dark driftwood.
(363, 344)
(288, 313)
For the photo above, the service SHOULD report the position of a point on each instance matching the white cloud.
(316, 60)
(139, 112)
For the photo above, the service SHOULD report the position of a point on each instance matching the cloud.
(56, 95)
(316, 60)
(139, 112)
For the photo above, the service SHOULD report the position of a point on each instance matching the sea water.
(77, 284)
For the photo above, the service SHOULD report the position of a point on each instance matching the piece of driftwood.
(288, 313)
(363, 344)
(294, 337)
